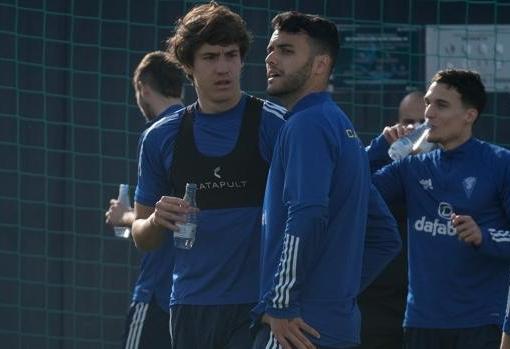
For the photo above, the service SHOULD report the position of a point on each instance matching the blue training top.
(155, 268)
(453, 284)
(221, 267)
(314, 220)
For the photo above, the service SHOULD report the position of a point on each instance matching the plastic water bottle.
(123, 232)
(414, 142)
(185, 237)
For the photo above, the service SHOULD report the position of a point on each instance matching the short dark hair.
(323, 32)
(468, 83)
(157, 70)
(211, 24)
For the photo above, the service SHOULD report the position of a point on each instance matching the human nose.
(270, 58)
(222, 65)
(429, 112)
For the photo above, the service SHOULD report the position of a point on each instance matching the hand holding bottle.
(177, 215)
(118, 208)
(413, 142)
(184, 236)
(118, 213)
(393, 133)
(169, 211)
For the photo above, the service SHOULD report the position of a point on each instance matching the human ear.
(322, 64)
(471, 115)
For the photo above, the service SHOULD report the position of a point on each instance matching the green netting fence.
(69, 127)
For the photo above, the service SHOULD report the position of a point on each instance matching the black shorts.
(373, 340)
(482, 337)
(211, 326)
(146, 327)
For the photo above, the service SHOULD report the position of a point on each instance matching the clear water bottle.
(413, 143)
(123, 232)
(185, 237)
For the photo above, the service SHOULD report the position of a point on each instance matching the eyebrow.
(211, 53)
(234, 50)
(284, 45)
(437, 100)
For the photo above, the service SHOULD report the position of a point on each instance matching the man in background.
(382, 304)
(158, 87)
(412, 109)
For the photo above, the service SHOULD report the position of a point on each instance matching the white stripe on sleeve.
(287, 271)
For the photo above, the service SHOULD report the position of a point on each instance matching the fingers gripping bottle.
(185, 237)
(413, 143)
(123, 232)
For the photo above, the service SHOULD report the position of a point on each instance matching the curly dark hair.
(211, 24)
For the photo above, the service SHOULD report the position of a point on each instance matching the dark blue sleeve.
(495, 243)
(382, 239)
(308, 156)
(389, 182)
(378, 153)
(496, 240)
(153, 165)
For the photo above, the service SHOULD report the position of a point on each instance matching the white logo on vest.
(223, 183)
(217, 172)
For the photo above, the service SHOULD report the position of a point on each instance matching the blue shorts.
(481, 337)
(146, 327)
(211, 326)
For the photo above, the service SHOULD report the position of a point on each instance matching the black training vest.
(237, 179)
